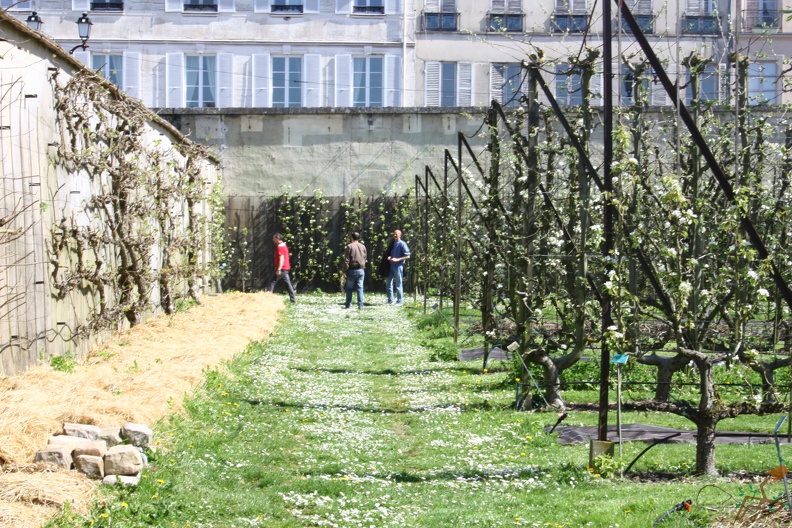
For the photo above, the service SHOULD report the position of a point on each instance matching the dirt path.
(140, 375)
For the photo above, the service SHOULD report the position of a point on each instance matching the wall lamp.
(84, 30)
(34, 21)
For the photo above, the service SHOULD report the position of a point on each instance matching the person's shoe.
(360, 307)
(389, 302)
(346, 307)
(398, 304)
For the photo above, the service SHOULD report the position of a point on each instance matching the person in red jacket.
(282, 266)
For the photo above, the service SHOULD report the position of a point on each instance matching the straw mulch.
(140, 375)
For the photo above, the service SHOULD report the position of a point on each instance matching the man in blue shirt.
(398, 255)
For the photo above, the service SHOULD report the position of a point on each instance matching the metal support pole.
(458, 284)
(426, 237)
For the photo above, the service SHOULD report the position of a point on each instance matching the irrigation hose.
(684, 505)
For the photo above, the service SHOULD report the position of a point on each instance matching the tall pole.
(608, 245)
(458, 285)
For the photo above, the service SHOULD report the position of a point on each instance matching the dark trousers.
(284, 276)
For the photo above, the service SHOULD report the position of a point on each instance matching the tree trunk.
(552, 380)
(707, 421)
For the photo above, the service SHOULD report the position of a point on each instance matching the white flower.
(763, 292)
(753, 275)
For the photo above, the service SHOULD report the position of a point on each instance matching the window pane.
(761, 83)
(448, 84)
(375, 81)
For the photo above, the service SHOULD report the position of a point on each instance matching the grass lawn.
(342, 419)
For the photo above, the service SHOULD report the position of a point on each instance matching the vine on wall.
(142, 232)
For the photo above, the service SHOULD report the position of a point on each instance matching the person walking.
(354, 269)
(282, 266)
(399, 253)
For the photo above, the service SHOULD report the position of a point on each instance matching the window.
(200, 6)
(368, 7)
(440, 15)
(568, 88)
(448, 84)
(286, 82)
(15, 5)
(709, 86)
(107, 5)
(762, 83)
(367, 81)
(287, 6)
(507, 83)
(570, 16)
(200, 73)
(762, 13)
(506, 22)
(108, 66)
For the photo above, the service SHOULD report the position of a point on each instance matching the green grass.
(341, 418)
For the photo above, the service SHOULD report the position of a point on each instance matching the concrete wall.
(338, 152)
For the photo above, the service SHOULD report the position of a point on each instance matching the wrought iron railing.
(563, 23)
(510, 22)
(645, 22)
(199, 6)
(701, 24)
(107, 6)
(368, 10)
(289, 9)
(440, 21)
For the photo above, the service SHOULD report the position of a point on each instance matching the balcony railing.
(368, 10)
(761, 18)
(286, 9)
(701, 24)
(509, 22)
(563, 23)
(440, 21)
(199, 6)
(645, 23)
(107, 6)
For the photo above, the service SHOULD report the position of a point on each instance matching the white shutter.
(392, 7)
(432, 83)
(597, 97)
(693, 7)
(84, 57)
(225, 80)
(260, 72)
(659, 95)
(343, 80)
(226, 6)
(131, 74)
(392, 80)
(723, 82)
(174, 80)
(448, 6)
(432, 6)
(261, 6)
(81, 5)
(498, 6)
(563, 6)
(310, 6)
(496, 83)
(312, 74)
(464, 84)
(343, 6)
(174, 6)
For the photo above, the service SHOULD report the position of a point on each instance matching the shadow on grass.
(378, 410)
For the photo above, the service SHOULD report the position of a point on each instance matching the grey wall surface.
(337, 151)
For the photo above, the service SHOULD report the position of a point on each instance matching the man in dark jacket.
(354, 269)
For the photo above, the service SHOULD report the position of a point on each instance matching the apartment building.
(400, 53)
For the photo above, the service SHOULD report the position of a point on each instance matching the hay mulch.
(140, 375)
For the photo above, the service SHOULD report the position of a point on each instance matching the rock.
(123, 460)
(90, 466)
(60, 455)
(137, 434)
(94, 448)
(83, 445)
(126, 480)
(91, 432)
(111, 435)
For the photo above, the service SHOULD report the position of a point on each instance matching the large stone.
(95, 448)
(111, 435)
(137, 434)
(90, 466)
(123, 460)
(82, 446)
(91, 432)
(60, 455)
(127, 480)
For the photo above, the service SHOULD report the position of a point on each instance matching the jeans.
(354, 281)
(284, 276)
(395, 276)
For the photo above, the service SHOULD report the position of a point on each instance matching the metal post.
(426, 237)
(458, 285)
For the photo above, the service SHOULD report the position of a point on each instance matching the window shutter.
(693, 7)
(464, 84)
(81, 5)
(432, 83)
(432, 6)
(659, 95)
(596, 89)
(496, 83)
(225, 6)
(131, 73)
(84, 57)
(225, 80)
(343, 80)
(449, 6)
(392, 7)
(174, 80)
(311, 6)
(343, 6)
(392, 80)
(174, 6)
(260, 72)
(261, 6)
(312, 74)
(723, 82)
(498, 6)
